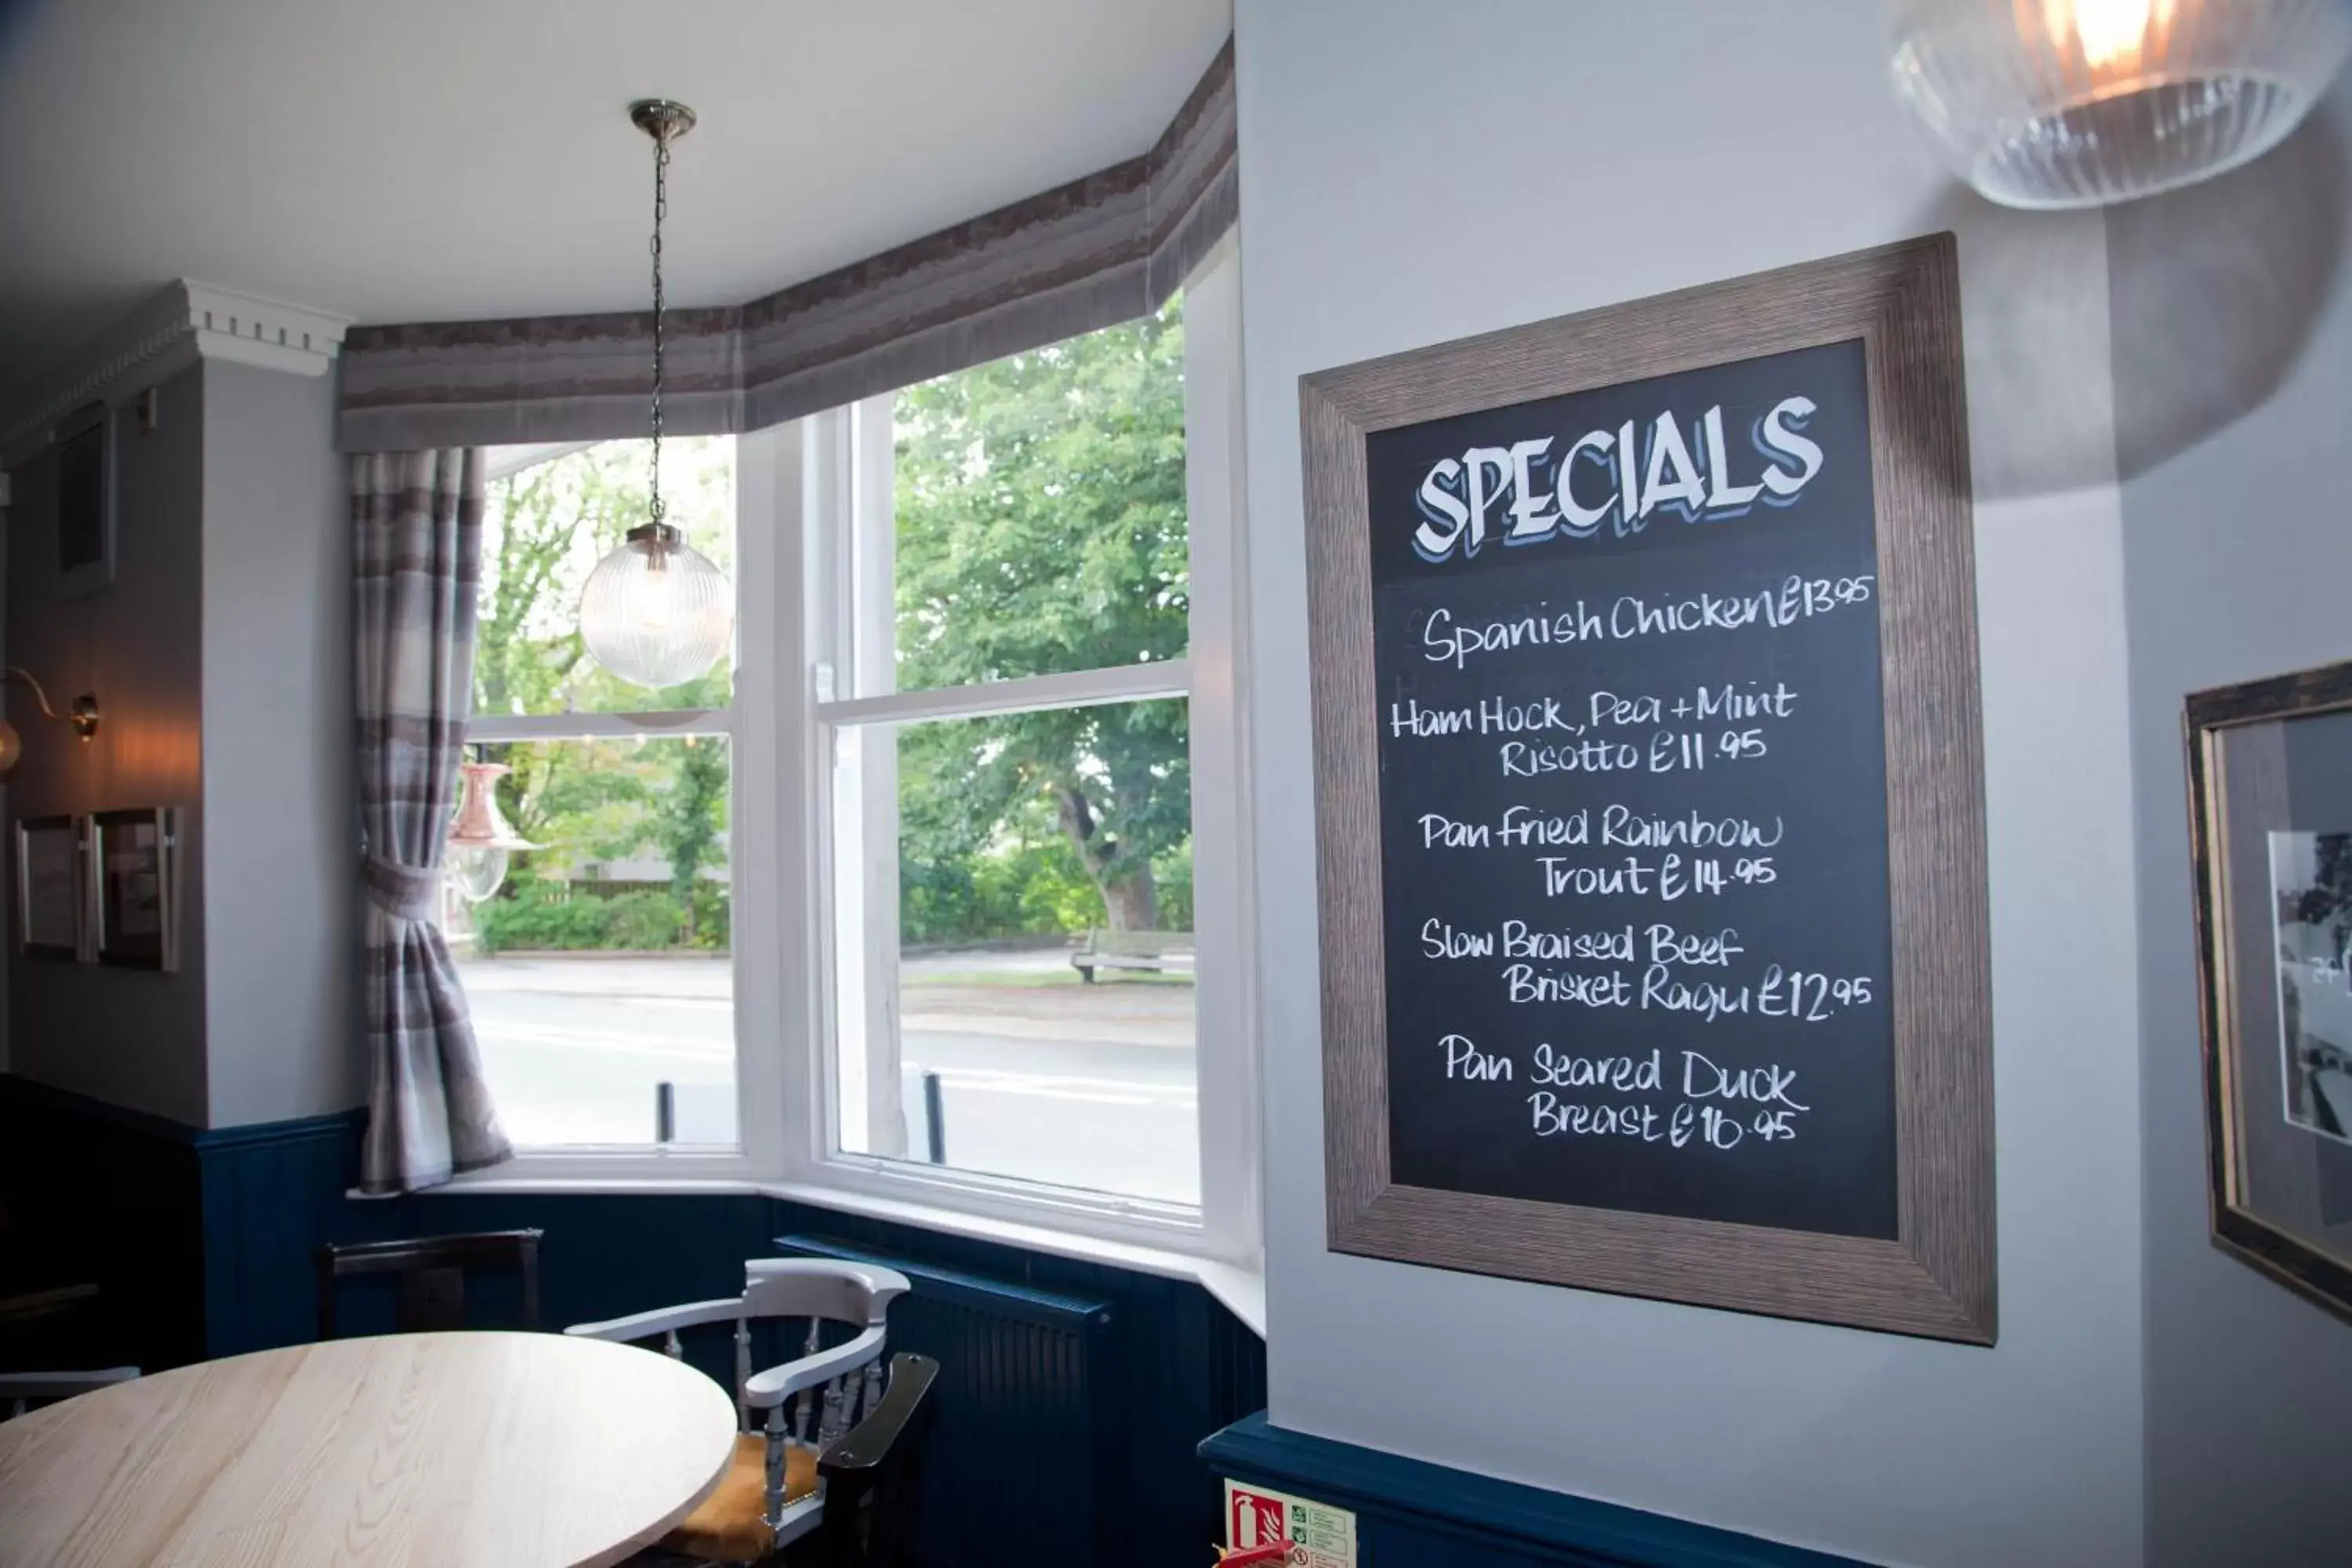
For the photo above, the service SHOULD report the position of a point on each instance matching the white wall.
(2233, 306)
(280, 910)
(221, 656)
(1414, 173)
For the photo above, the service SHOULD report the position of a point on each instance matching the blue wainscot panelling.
(1410, 1514)
(1067, 1391)
(269, 1194)
(152, 1212)
(93, 1196)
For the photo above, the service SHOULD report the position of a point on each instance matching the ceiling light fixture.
(2078, 103)
(655, 610)
(82, 714)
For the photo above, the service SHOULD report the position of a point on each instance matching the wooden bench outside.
(1168, 951)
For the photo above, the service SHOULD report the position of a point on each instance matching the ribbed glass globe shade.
(657, 611)
(2075, 103)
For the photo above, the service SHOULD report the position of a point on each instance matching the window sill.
(1241, 1290)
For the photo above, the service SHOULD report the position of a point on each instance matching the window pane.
(601, 969)
(1039, 503)
(544, 527)
(1026, 944)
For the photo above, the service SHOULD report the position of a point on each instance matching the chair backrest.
(20, 1391)
(62, 1325)
(842, 1381)
(835, 1389)
(830, 1288)
(871, 1475)
(432, 1275)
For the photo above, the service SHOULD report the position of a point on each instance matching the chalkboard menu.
(1633, 798)
(1651, 812)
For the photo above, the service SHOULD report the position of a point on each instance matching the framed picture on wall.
(135, 856)
(2270, 774)
(86, 500)
(50, 912)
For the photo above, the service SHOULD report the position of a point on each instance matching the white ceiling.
(419, 159)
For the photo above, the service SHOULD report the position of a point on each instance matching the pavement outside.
(1041, 1078)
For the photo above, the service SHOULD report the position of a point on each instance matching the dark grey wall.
(128, 1038)
(2232, 306)
(279, 815)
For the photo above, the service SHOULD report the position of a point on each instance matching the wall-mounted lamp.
(82, 714)
(2077, 103)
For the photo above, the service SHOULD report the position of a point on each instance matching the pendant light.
(480, 839)
(2077, 103)
(655, 610)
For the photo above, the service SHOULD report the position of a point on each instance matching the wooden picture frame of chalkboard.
(1612, 1089)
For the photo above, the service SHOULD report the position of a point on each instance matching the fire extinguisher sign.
(1319, 1535)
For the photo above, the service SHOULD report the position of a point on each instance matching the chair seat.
(727, 1527)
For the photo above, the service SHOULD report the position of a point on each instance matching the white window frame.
(748, 723)
(797, 486)
(845, 455)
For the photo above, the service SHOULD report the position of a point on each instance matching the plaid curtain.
(418, 518)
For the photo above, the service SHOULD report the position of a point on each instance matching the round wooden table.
(437, 1450)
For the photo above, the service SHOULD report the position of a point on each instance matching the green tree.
(690, 817)
(1042, 528)
(547, 525)
(545, 529)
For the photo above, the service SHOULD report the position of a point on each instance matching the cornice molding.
(178, 326)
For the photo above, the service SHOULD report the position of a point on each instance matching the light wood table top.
(435, 1450)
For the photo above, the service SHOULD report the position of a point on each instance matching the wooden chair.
(20, 1391)
(432, 1271)
(59, 1326)
(776, 1492)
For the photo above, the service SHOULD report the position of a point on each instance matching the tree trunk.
(1130, 901)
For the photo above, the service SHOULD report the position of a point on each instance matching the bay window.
(956, 925)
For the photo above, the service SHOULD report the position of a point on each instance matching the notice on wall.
(1317, 1535)
(1633, 798)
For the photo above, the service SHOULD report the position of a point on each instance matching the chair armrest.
(765, 1390)
(872, 1473)
(61, 1385)
(868, 1444)
(661, 1320)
